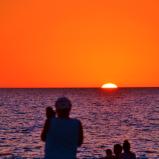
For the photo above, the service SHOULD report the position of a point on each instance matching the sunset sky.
(79, 43)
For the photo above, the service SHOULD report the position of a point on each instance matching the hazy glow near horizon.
(69, 43)
(109, 85)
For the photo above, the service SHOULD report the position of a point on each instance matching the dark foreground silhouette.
(50, 113)
(127, 154)
(62, 135)
(117, 151)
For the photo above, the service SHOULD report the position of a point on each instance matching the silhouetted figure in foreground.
(127, 153)
(64, 134)
(49, 115)
(117, 151)
(109, 154)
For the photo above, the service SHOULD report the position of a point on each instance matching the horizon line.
(75, 87)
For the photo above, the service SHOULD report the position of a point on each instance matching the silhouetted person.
(109, 154)
(117, 151)
(64, 134)
(49, 115)
(127, 153)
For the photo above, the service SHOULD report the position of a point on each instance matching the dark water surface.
(107, 117)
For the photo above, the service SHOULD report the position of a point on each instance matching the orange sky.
(85, 43)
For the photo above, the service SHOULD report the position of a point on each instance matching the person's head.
(50, 112)
(63, 106)
(117, 149)
(108, 152)
(126, 146)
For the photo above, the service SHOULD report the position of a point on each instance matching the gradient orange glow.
(69, 43)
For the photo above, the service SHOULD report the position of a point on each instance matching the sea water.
(108, 117)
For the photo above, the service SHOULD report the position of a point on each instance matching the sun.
(109, 86)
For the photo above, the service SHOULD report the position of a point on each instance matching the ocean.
(108, 117)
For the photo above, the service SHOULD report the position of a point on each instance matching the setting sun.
(109, 85)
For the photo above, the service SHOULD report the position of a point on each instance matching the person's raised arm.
(45, 130)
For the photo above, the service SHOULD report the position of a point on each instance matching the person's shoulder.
(122, 155)
(133, 154)
(74, 120)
